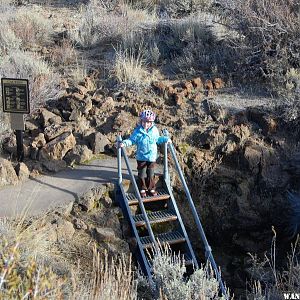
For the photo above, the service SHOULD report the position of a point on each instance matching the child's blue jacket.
(146, 142)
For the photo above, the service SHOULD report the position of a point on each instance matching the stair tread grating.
(157, 216)
(162, 194)
(169, 237)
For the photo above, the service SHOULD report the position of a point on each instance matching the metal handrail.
(208, 250)
(136, 190)
(166, 169)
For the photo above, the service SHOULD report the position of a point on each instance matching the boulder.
(159, 87)
(97, 96)
(54, 165)
(31, 125)
(49, 118)
(22, 171)
(57, 148)
(217, 112)
(9, 144)
(39, 141)
(197, 83)
(179, 99)
(104, 234)
(7, 173)
(98, 142)
(82, 105)
(209, 88)
(64, 229)
(77, 96)
(81, 89)
(108, 104)
(90, 198)
(218, 83)
(89, 83)
(79, 154)
(263, 119)
(124, 123)
(54, 130)
(188, 87)
(75, 115)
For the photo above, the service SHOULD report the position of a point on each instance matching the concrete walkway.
(46, 192)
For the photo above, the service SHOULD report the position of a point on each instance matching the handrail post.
(166, 169)
(208, 251)
(141, 204)
(119, 155)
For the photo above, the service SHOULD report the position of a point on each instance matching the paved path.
(45, 192)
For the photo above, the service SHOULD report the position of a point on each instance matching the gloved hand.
(119, 145)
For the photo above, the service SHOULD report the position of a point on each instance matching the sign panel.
(15, 95)
(17, 121)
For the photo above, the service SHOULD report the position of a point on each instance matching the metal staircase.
(156, 220)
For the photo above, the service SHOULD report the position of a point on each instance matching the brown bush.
(268, 36)
(32, 28)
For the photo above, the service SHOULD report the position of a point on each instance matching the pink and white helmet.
(148, 115)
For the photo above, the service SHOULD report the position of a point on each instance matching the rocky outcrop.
(7, 173)
(58, 147)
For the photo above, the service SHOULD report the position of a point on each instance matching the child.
(146, 137)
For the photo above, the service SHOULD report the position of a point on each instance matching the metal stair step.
(161, 195)
(155, 217)
(163, 238)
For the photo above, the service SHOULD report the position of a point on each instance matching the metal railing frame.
(208, 250)
(136, 190)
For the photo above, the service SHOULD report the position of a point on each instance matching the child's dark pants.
(146, 174)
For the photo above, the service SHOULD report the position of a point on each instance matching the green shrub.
(168, 275)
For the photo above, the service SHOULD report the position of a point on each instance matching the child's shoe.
(143, 193)
(153, 193)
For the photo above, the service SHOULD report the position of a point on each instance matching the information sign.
(15, 95)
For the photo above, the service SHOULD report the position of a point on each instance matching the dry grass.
(172, 8)
(8, 40)
(266, 47)
(130, 69)
(43, 81)
(270, 282)
(6, 6)
(26, 250)
(22, 275)
(31, 28)
(98, 25)
(110, 279)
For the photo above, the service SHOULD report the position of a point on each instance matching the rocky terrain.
(240, 157)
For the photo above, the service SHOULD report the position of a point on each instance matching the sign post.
(15, 95)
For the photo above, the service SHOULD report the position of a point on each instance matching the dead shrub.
(31, 28)
(43, 82)
(109, 279)
(130, 69)
(63, 55)
(173, 8)
(100, 25)
(268, 37)
(8, 40)
(268, 280)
